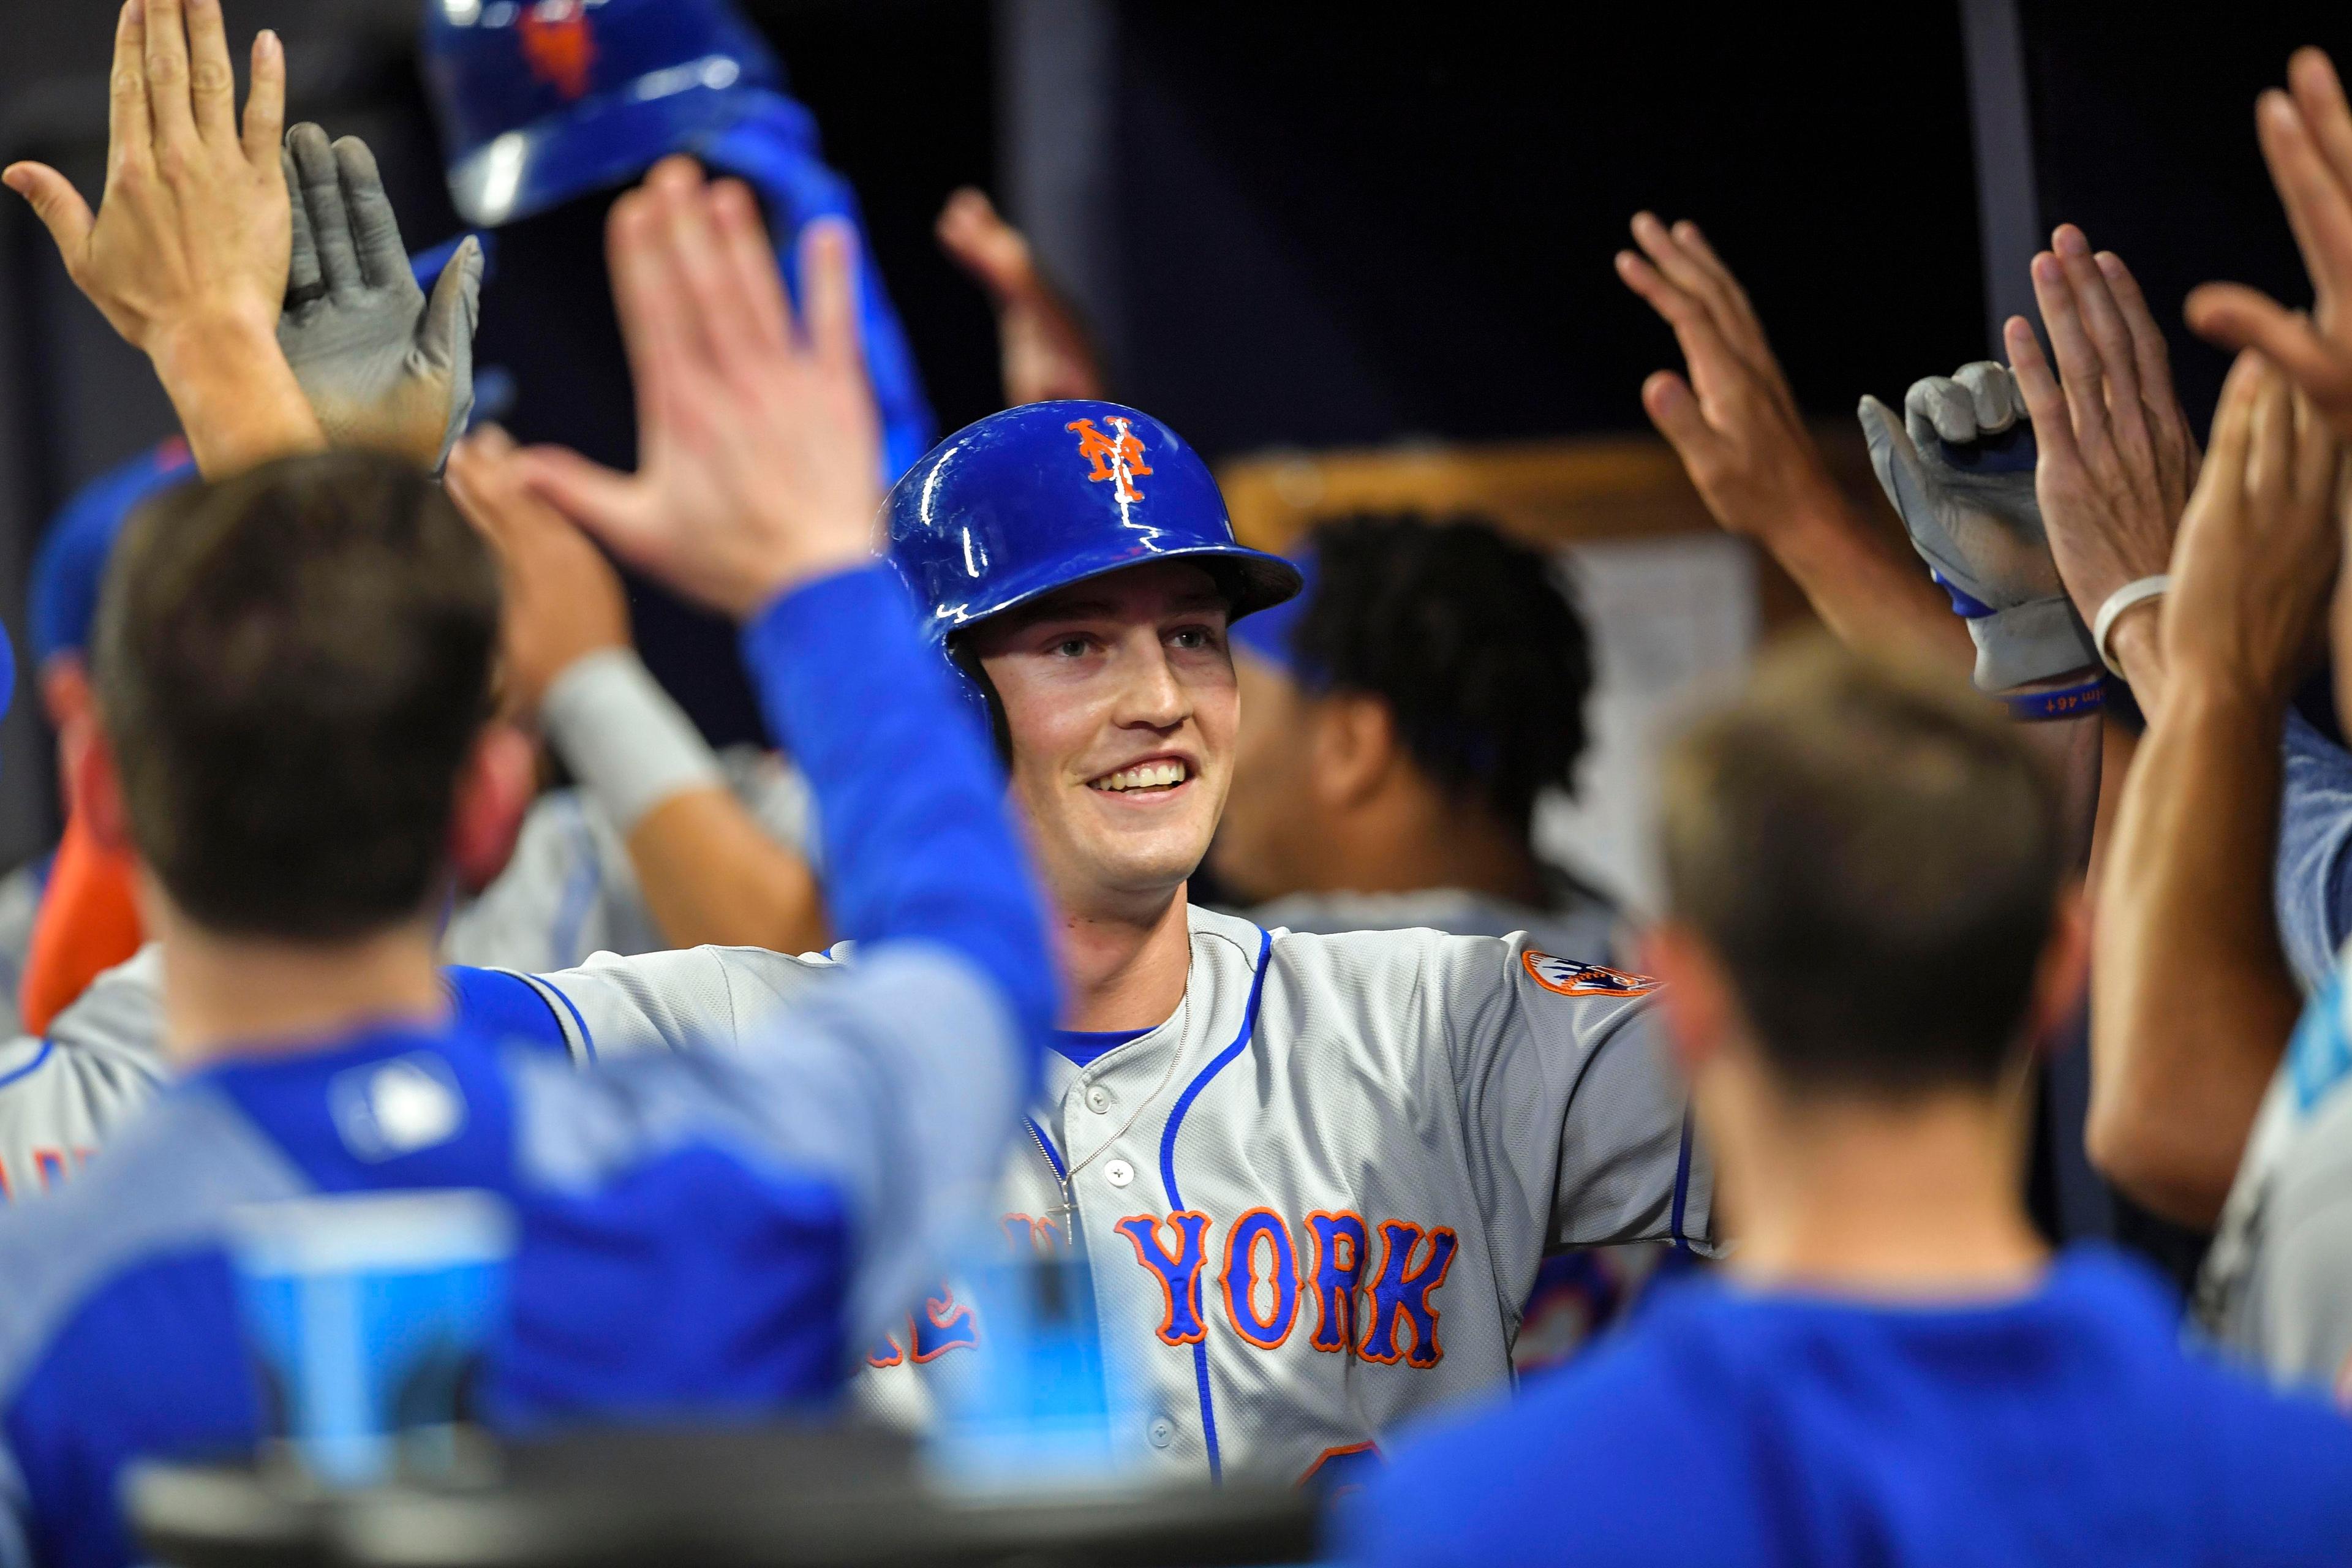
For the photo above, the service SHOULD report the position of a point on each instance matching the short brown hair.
(1876, 857)
(291, 665)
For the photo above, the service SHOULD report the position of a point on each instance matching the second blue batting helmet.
(541, 101)
(1047, 494)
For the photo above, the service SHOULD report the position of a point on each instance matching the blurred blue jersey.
(702, 1231)
(2068, 1428)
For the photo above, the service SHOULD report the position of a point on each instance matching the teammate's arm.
(756, 494)
(187, 253)
(708, 870)
(2306, 141)
(1735, 424)
(2191, 1000)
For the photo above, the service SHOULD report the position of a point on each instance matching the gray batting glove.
(1959, 470)
(383, 365)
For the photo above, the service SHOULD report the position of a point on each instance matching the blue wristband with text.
(2065, 702)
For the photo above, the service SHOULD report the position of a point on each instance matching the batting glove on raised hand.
(1960, 468)
(383, 365)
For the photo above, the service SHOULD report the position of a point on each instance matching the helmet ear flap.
(967, 663)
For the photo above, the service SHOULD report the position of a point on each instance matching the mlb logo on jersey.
(1569, 978)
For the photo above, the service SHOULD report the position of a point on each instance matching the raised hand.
(187, 253)
(383, 365)
(1960, 467)
(757, 437)
(2259, 543)
(1046, 350)
(563, 600)
(2306, 137)
(1734, 422)
(2116, 457)
(1736, 426)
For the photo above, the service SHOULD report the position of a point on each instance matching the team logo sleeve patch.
(1566, 977)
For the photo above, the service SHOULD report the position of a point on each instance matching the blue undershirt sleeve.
(504, 1006)
(917, 846)
(2315, 856)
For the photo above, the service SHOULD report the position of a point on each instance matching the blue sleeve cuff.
(504, 1007)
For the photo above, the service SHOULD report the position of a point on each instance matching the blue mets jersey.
(2066, 1427)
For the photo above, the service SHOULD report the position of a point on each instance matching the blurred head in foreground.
(1400, 717)
(293, 677)
(1868, 912)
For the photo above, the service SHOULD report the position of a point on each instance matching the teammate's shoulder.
(758, 962)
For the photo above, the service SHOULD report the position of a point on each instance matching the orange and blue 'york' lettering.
(1179, 1273)
(1030, 1230)
(1240, 1280)
(944, 1324)
(1400, 1295)
(1340, 1241)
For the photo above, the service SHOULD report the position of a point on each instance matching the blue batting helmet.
(541, 101)
(1048, 494)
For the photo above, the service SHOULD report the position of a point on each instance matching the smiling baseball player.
(1314, 1176)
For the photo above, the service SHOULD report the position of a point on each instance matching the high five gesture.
(187, 253)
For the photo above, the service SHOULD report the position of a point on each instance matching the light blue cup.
(1038, 1403)
(368, 1313)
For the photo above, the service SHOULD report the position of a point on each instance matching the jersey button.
(1097, 1099)
(1118, 1173)
(1161, 1432)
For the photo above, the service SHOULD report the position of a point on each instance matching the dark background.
(1295, 225)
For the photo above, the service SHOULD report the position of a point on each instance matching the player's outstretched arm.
(383, 365)
(187, 253)
(709, 871)
(2191, 1001)
(1043, 344)
(1735, 423)
(757, 494)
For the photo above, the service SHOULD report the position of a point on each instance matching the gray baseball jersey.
(1577, 1294)
(20, 902)
(2277, 1282)
(1314, 1200)
(1575, 921)
(571, 888)
(64, 1093)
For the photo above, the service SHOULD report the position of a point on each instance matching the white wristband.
(630, 746)
(2123, 599)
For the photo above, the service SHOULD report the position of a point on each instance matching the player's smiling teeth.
(1144, 775)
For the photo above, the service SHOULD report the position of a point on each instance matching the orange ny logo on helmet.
(557, 45)
(1116, 459)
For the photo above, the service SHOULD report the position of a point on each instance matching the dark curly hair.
(1468, 635)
